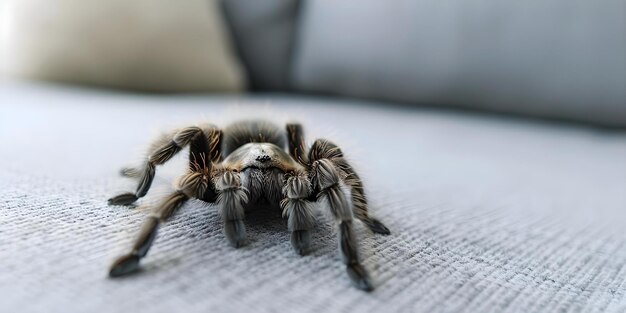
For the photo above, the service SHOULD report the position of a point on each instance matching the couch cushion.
(486, 214)
(147, 45)
(558, 59)
(263, 32)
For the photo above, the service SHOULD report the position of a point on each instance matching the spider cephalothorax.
(250, 164)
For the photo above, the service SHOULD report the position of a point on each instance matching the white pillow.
(148, 45)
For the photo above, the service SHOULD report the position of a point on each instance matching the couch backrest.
(264, 34)
(550, 58)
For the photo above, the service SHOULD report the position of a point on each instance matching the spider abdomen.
(240, 133)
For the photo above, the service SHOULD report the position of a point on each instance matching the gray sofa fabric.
(557, 59)
(487, 215)
(264, 33)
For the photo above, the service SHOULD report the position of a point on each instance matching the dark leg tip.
(300, 241)
(378, 227)
(123, 199)
(124, 265)
(235, 231)
(359, 277)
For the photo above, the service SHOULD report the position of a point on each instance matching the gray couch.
(488, 212)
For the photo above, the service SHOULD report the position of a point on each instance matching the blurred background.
(557, 59)
(489, 134)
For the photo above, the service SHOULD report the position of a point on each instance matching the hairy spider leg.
(203, 141)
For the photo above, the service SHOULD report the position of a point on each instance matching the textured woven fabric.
(487, 214)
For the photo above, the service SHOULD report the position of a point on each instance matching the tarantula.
(245, 166)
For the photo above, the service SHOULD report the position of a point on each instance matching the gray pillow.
(263, 32)
(559, 58)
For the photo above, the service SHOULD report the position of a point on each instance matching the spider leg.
(129, 263)
(298, 209)
(325, 149)
(204, 142)
(203, 152)
(326, 179)
(295, 138)
(232, 198)
(196, 183)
